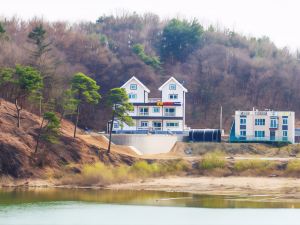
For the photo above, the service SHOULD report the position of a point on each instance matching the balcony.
(154, 100)
(143, 113)
(170, 114)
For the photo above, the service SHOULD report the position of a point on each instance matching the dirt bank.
(17, 157)
(284, 187)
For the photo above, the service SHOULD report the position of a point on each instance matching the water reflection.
(10, 197)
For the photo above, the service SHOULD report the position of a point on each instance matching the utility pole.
(221, 118)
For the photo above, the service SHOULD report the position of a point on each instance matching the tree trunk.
(39, 135)
(110, 131)
(40, 107)
(62, 114)
(18, 113)
(77, 118)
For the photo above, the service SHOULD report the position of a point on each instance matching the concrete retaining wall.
(148, 144)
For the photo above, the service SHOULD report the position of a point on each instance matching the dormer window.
(133, 86)
(172, 86)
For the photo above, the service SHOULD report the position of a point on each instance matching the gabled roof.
(174, 80)
(138, 81)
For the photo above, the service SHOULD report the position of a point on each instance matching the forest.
(218, 66)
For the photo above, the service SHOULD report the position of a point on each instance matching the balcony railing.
(258, 139)
(154, 100)
(171, 114)
(143, 113)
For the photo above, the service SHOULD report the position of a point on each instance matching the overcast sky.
(278, 19)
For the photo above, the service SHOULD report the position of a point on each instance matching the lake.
(90, 207)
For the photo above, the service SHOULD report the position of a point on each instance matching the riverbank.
(283, 187)
(287, 188)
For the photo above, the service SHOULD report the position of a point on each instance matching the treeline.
(219, 67)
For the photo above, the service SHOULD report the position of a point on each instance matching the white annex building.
(157, 115)
(263, 126)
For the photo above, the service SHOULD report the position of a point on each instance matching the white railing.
(154, 99)
(169, 114)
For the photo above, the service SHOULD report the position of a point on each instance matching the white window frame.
(285, 121)
(172, 124)
(172, 86)
(132, 96)
(133, 86)
(243, 120)
(168, 113)
(142, 111)
(143, 124)
(153, 110)
(172, 96)
(274, 125)
(243, 135)
(116, 125)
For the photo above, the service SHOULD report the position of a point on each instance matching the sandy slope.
(288, 187)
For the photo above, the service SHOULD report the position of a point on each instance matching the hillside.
(218, 66)
(17, 158)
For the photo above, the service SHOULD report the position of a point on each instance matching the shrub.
(293, 166)
(212, 160)
(253, 164)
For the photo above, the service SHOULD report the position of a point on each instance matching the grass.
(254, 164)
(101, 174)
(213, 160)
(293, 166)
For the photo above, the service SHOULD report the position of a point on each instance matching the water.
(91, 207)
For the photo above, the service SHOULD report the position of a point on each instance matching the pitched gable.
(133, 78)
(172, 79)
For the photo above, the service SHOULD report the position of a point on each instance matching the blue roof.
(297, 132)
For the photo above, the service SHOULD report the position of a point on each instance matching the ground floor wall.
(148, 144)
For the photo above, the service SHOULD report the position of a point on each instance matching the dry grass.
(293, 166)
(101, 174)
(213, 160)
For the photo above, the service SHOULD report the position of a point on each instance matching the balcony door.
(272, 135)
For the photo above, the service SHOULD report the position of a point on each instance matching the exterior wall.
(250, 117)
(140, 92)
(137, 125)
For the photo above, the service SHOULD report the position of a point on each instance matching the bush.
(100, 173)
(212, 160)
(293, 166)
(253, 164)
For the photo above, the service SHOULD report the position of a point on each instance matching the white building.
(158, 115)
(263, 126)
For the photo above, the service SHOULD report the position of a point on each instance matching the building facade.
(157, 115)
(263, 126)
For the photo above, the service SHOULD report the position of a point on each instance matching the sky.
(277, 19)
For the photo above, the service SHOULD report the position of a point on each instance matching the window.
(172, 124)
(133, 87)
(172, 86)
(144, 111)
(285, 121)
(169, 111)
(144, 123)
(132, 96)
(243, 133)
(259, 133)
(274, 123)
(173, 96)
(260, 122)
(243, 121)
(156, 109)
(116, 125)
